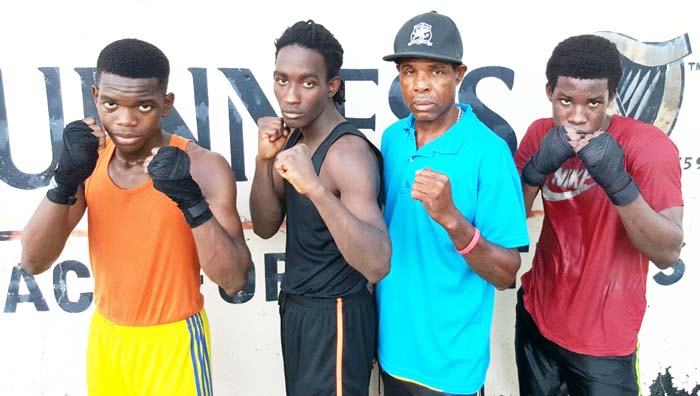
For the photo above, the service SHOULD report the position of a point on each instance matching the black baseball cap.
(430, 35)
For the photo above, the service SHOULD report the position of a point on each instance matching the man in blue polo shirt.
(456, 219)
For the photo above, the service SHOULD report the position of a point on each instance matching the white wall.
(42, 353)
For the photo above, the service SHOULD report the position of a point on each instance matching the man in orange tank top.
(160, 208)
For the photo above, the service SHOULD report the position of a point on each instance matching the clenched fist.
(272, 135)
(434, 190)
(295, 166)
(81, 140)
(554, 150)
(169, 168)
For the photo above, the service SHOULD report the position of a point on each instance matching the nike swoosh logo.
(552, 196)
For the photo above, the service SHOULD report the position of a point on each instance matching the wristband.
(60, 194)
(471, 244)
(198, 214)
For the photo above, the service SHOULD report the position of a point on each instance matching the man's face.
(579, 104)
(301, 86)
(428, 86)
(131, 109)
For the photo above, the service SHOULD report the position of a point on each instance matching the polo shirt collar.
(452, 140)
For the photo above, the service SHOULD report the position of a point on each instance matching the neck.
(429, 130)
(317, 130)
(137, 157)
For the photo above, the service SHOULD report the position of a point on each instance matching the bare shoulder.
(351, 159)
(209, 169)
(348, 150)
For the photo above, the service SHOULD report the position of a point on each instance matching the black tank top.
(314, 266)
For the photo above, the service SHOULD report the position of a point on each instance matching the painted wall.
(222, 58)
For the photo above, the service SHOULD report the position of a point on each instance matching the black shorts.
(397, 387)
(328, 344)
(545, 368)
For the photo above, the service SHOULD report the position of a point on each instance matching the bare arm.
(354, 219)
(494, 263)
(266, 199)
(44, 237)
(48, 230)
(223, 253)
(658, 236)
(529, 195)
(267, 192)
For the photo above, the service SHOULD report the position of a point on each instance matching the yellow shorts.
(171, 359)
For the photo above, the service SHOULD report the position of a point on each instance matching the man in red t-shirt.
(612, 200)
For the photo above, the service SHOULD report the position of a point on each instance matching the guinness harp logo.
(651, 87)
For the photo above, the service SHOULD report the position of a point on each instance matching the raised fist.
(169, 169)
(81, 140)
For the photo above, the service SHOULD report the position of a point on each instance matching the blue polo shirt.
(434, 311)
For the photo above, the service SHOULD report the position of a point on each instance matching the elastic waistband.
(361, 297)
(104, 324)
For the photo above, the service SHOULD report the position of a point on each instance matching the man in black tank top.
(325, 176)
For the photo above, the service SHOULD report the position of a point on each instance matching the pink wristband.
(472, 243)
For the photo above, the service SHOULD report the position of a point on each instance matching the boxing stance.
(456, 221)
(160, 209)
(611, 191)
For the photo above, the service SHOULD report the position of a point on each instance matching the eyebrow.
(563, 95)
(303, 76)
(310, 75)
(104, 98)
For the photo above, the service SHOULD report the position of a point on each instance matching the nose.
(291, 94)
(126, 117)
(577, 116)
(422, 83)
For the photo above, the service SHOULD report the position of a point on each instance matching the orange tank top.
(142, 252)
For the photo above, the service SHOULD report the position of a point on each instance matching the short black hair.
(133, 58)
(587, 57)
(316, 37)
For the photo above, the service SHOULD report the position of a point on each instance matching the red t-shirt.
(586, 289)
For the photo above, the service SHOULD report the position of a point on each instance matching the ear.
(95, 94)
(461, 71)
(168, 104)
(550, 91)
(333, 86)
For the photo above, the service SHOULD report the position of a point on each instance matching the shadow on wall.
(663, 386)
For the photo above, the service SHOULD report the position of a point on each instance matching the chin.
(295, 123)
(424, 117)
(128, 148)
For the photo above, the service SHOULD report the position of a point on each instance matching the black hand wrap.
(170, 172)
(605, 162)
(554, 151)
(76, 163)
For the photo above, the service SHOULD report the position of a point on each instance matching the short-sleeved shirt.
(434, 310)
(586, 289)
